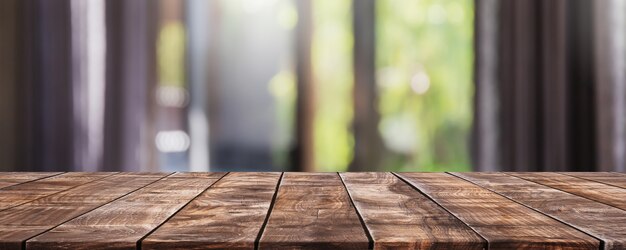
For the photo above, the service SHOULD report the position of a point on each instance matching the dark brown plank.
(596, 191)
(122, 223)
(313, 210)
(22, 193)
(229, 215)
(398, 216)
(596, 219)
(614, 179)
(8, 179)
(503, 223)
(20, 223)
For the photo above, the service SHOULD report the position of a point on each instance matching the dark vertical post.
(368, 147)
(304, 159)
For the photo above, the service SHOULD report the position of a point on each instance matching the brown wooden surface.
(312, 210)
(228, 215)
(23, 222)
(19, 194)
(122, 223)
(587, 215)
(8, 179)
(505, 224)
(399, 217)
(593, 190)
(614, 179)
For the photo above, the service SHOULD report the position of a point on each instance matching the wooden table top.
(240, 210)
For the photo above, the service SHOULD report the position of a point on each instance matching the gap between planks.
(59, 191)
(181, 208)
(442, 207)
(437, 184)
(590, 179)
(602, 243)
(36, 179)
(257, 240)
(570, 192)
(370, 239)
(135, 190)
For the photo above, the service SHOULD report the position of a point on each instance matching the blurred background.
(312, 85)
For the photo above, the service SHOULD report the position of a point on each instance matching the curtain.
(8, 91)
(67, 104)
(131, 78)
(549, 86)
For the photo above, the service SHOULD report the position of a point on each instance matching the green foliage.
(332, 69)
(424, 62)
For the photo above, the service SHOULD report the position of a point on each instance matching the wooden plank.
(8, 179)
(586, 215)
(503, 223)
(229, 215)
(20, 223)
(398, 216)
(122, 223)
(19, 194)
(613, 179)
(313, 210)
(596, 191)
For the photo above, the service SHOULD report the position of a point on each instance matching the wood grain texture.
(398, 216)
(20, 223)
(22, 193)
(229, 215)
(614, 179)
(596, 219)
(8, 179)
(122, 223)
(312, 211)
(596, 191)
(503, 223)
